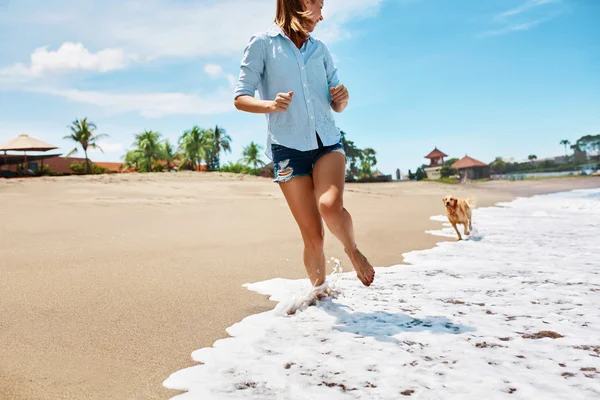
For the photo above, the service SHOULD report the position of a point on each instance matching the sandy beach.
(110, 282)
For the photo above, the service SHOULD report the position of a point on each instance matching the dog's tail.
(471, 202)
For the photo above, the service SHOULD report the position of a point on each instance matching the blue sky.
(485, 78)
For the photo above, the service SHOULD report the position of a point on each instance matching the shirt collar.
(275, 30)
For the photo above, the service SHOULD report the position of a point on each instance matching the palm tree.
(251, 155)
(367, 161)
(168, 153)
(565, 142)
(194, 145)
(133, 159)
(148, 145)
(221, 142)
(82, 132)
(532, 158)
(352, 155)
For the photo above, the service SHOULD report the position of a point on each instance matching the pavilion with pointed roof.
(436, 162)
(436, 157)
(470, 168)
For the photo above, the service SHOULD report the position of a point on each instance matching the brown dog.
(458, 211)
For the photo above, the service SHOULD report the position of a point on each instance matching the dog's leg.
(457, 232)
(466, 225)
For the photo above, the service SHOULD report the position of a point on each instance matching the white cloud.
(69, 57)
(216, 72)
(166, 28)
(149, 29)
(525, 17)
(528, 5)
(512, 28)
(150, 105)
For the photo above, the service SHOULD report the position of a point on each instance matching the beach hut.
(470, 168)
(25, 143)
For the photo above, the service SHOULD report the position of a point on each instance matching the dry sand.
(110, 282)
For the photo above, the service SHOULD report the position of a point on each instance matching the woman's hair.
(291, 17)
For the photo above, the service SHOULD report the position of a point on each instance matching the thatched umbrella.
(26, 143)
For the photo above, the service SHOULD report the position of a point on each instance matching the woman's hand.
(282, 102)
(250, 104)
(339, 98)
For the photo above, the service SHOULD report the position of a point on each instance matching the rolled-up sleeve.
(251, 67)
(331, 69)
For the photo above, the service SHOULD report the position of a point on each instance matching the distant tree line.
(360, 162)
(588, 143)
(150, 153)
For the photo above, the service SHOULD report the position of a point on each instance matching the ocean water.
(513, 312)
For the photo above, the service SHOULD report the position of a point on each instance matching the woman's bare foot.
(364, 270)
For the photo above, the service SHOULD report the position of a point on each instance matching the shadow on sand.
(383, 325)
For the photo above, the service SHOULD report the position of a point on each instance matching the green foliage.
(448, 180)
(360, 163)
(239, 168)
(588, 143)
(82, 133)
(367, 163)
(81, 168)
(250, 163)
(419, 175)
(498, 166)
(448, 171)
(565, 142)
(450, 161)
(251, 155)
(221, 142)
(195, 145)
(147, 148)
(134, 159)
(167, 154)
(45, 170)
(150, 153)
(353, 155)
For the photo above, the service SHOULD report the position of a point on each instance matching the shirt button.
(308, 101)
(302, 67)
(305, 85)
(311, 117)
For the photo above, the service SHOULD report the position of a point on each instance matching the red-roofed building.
(436, 157)
(436, 162)
(470, 168)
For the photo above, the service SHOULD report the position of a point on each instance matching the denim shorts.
(288, 163)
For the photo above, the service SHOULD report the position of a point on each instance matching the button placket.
(309, 107)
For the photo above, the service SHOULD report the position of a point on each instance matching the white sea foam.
(454, 324)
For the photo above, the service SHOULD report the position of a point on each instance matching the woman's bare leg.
(329, 175)
(300, 195)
